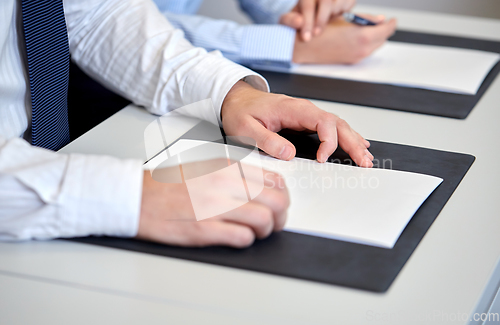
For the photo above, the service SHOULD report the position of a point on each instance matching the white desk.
(452, 272)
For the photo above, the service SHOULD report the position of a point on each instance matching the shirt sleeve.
(131, 48)
(46, 195)
(246, 44)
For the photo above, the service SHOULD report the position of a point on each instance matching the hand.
(310, 17)
(258, 115)
(167, 215)
(343, 42)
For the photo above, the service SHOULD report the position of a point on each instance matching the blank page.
(439, 68)
(361, 205)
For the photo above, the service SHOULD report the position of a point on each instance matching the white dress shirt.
(131, 48)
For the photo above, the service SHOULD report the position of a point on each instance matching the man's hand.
(344, 43)
(310, 17)
(258, 115)
(167, 215)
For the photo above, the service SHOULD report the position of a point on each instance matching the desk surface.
(451, 274)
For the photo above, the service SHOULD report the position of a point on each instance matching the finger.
(274, 181)
(301, 115)
(337, 8)
(278, 201)
(272, 194)
(292, 19)
(378, 19)
(349, 141)
(369, 154)
(333, 131)
(305, 116)
(391, 27)
(308, 11)
(365, 142)
(327, 134)
(323, 16)
(256, 216)
(367, 145)
(202, 233)
(272, 143)
(381, 32)
(373, 37)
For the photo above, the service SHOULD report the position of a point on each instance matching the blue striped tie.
(48, 68)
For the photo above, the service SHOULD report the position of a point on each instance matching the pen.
(352, 18)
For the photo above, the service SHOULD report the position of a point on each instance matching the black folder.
(387, 96)
(327, 260)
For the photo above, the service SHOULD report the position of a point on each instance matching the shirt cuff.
(101, 195)
(267, 45)
(221, 74)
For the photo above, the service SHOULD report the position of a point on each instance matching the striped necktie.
(48, 69)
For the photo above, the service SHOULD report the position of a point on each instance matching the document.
(431, 67)
(360, 205)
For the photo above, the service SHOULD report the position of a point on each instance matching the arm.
(277, 45)
(131, 48)
(47, 195)
(246, 44)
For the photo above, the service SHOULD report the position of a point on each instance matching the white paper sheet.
(367, 206)
(438, 68)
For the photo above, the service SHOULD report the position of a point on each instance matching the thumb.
(270, 142)
(292, 19)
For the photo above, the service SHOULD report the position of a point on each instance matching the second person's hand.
(343, 42)
(310, 17)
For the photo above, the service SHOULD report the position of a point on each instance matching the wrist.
(233, 96)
